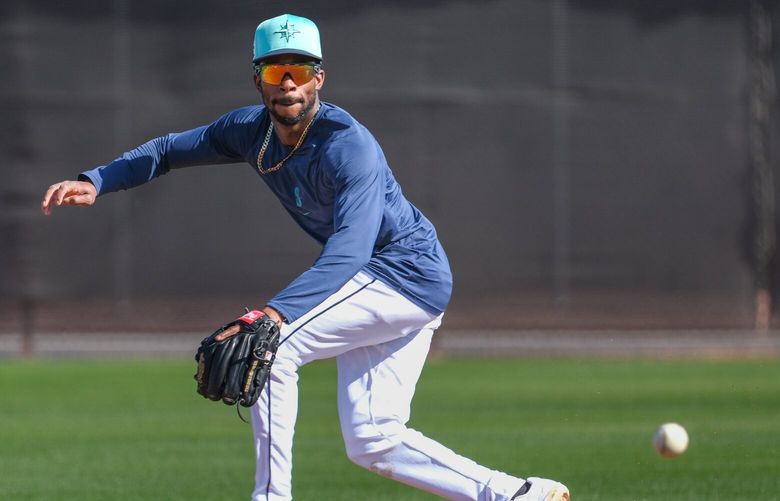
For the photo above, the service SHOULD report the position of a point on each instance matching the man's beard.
(291, 120)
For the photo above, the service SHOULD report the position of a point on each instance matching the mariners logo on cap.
(287, 31)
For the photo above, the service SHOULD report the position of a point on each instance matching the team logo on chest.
(299, 201)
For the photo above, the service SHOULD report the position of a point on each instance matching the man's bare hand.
(80, 193)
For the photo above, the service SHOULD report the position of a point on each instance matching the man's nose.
(287, 83)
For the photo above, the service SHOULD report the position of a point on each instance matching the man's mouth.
(287, 102)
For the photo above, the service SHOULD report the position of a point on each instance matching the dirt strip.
(725, 343)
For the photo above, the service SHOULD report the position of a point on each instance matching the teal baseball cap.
(287, 34)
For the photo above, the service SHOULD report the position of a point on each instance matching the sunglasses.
(301, 73)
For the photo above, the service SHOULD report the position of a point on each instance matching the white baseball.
(670, 440)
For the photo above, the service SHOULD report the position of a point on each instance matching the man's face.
(289, 101)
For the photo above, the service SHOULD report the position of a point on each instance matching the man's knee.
(379, 462)
(374, 450)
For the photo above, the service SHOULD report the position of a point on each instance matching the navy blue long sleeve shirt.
(337, 186)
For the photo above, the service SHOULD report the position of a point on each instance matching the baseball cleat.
(542, 489)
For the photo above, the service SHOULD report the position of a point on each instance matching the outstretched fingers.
(79, 193)
(46, 202)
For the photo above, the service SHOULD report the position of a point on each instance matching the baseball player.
(372, 299)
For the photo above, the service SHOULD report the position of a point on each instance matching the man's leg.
(375, 388)
(363, 312)
(277, 406)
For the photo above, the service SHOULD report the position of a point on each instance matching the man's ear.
(257, 81)
(320, 78)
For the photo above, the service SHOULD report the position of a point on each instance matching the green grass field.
(82, 430)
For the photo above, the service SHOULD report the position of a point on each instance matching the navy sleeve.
(359, 186)
(225, 141)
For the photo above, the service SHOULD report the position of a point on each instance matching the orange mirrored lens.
(273, 74)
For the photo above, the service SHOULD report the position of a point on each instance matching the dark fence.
(586, 162)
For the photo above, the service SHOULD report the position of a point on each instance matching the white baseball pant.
(380, 340)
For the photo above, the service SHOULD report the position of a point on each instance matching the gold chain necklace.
(267, 140)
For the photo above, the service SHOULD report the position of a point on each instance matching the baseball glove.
(235, 369)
